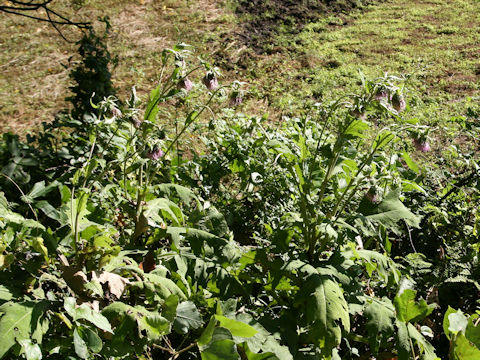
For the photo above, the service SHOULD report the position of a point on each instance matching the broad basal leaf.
(380, 315)
(326, 309)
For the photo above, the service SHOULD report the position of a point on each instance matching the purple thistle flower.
(210, 81)
(185, 84)
(421, 145)
(398, 102)
(155, 154)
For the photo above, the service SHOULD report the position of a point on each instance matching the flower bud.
(155, 154)
(185, 84)
(398, 102)
(210, 81)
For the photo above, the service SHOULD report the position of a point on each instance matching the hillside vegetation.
(241, 180)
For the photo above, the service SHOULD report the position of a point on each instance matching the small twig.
(172, 351)
(21, 8)
(410, 236)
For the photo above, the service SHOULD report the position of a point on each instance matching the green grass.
(399, 37)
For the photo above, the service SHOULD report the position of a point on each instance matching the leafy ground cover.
(184, 224)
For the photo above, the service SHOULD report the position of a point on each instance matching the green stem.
(352, 181)
(166, 89)
(193, 120)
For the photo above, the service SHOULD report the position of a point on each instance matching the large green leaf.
(155, 325)
(38, 190)
(32, 351)
(325, 309)
(380, 315)
(390, 211)
(374, 261)
(164, 286)
(18, 321)
(80, 345)
(207, 333)
(464, 349)
(446, 321)
(87, 313)
(185, 194)
(247, 354)
(220, 350)
(472, 332)
(408, 310)
(161, 209)
(130, 317)
(91, 338)
(5, 293)
(263, 340)
(425, 346)
(237, 328)
(9, 216)
(457, 322)
(187, 317)
(402, 341)
(406, 335)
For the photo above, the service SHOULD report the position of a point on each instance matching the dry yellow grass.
(34, 80)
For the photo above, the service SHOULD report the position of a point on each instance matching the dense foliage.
(319, 238)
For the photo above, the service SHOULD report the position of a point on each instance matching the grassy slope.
(33, 81)
(435, 40)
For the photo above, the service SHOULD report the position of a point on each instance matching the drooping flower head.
(116, 112)
(372, 195)
(381, 95)
(185, 84)
(236, 98)
(398, 102)
(136, 122)
(155, 154)
(210, 81)
(358, 110)
(421, 145)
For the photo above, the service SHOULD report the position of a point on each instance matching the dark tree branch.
(26, 8)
